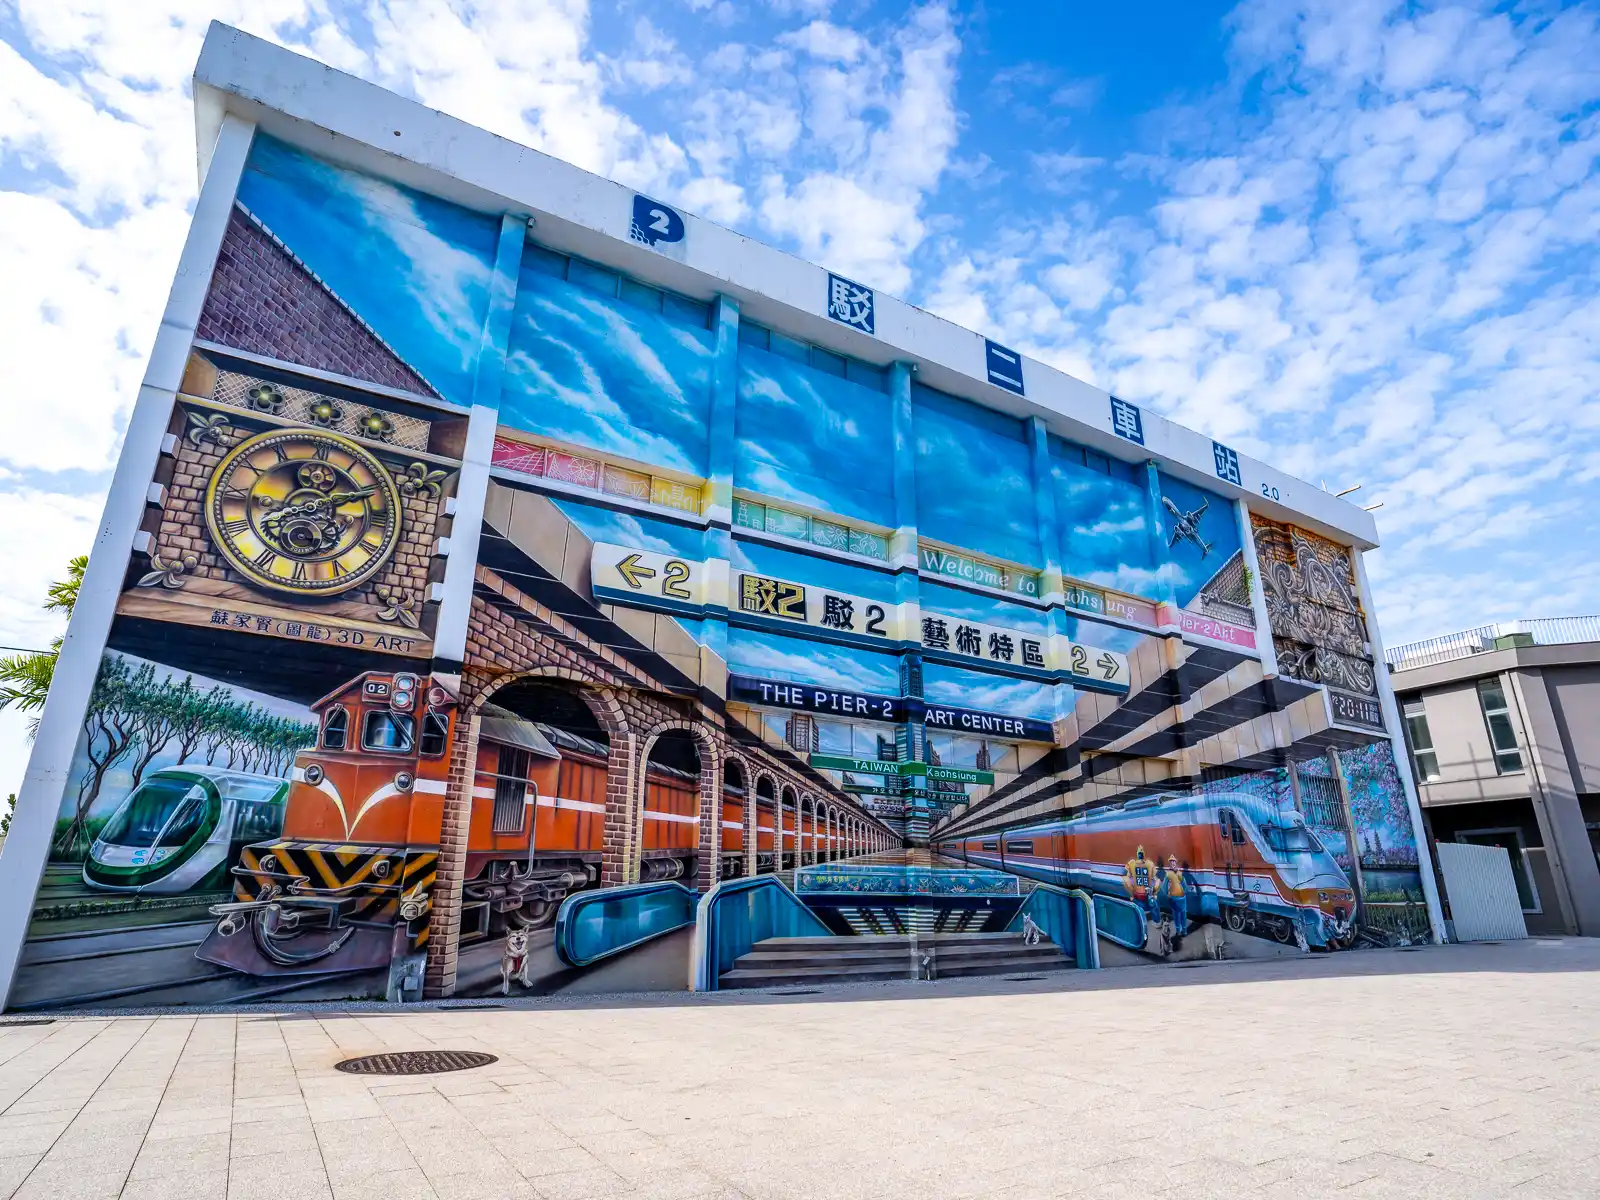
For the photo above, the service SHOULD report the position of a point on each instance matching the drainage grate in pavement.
(27, 1021)
(1023, 978)
(801, 992)
(416, 1062)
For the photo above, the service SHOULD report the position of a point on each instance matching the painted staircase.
(921, 921)
(779, 962)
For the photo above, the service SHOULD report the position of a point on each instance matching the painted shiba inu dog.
(514, 962)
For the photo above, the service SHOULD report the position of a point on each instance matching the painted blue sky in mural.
(626, 529)
(813, 439)
(611, 376)
(979, 690)
(974, 485)
(773, 656)
(1104, 528)
(414, 268)
(1212, 520)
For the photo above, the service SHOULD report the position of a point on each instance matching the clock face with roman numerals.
(303, 511)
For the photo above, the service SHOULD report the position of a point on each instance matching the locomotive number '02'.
(303, 511)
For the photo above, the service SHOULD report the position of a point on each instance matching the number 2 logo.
(675, 573)
(659, 221)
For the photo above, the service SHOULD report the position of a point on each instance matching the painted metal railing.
(736, 914)
(595, 925)
(1067, 918)
(1120, 921)
(1545, 631)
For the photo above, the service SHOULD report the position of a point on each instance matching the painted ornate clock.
(303, 511)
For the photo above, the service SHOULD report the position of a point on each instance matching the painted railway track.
(155, 964)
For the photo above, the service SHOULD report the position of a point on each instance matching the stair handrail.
(724, 930)
(650, 924)
(1082, 943)
(1135, 943)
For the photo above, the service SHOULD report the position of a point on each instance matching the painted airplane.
(1188, 527)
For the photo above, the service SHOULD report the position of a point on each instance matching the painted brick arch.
(514, 639)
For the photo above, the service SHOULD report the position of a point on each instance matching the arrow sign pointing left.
(650, 579)
(632, 571)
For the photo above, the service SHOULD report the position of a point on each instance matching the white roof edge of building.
(346, 119)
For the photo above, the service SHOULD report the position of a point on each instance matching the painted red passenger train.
(1240, 860)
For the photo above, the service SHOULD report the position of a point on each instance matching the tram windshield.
(152, 814)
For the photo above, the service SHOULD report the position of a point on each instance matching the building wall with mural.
(385, 688)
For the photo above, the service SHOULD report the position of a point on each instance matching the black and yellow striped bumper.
(371, 881)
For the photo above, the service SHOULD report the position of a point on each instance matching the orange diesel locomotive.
(347, 886)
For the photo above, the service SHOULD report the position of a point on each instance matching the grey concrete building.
(1503, 723)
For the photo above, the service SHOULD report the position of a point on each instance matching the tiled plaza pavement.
(1455, 1072)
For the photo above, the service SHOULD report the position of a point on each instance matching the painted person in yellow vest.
(1177, 896)
(1139, 876)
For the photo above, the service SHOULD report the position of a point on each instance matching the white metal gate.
(1483, 894)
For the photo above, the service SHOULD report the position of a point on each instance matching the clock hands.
(336, 499)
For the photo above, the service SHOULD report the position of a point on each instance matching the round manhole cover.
(416, 1062)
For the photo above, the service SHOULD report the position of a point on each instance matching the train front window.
(435, 727)
(143, 815)
(387, 732)
(1290, 839)
(335, 729)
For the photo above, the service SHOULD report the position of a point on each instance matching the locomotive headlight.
(313, 774)
(438, 697)
(404, 697)
(381, 869)
(403, 781)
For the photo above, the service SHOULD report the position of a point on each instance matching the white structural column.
(472, 488)
(39, 798)
(1402, 757)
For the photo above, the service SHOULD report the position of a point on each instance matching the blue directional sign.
(1126, 421)
(1227, 463)
(1005, 367)
(851, 304)
(657, 226)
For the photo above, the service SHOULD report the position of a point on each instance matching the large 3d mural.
(740, 605)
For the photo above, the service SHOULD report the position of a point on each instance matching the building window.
(1497, 714)
(1422, 752)
(1509, 840)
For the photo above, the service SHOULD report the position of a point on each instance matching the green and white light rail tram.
(182, 829)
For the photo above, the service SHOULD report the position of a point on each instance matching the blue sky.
(1353, 237)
